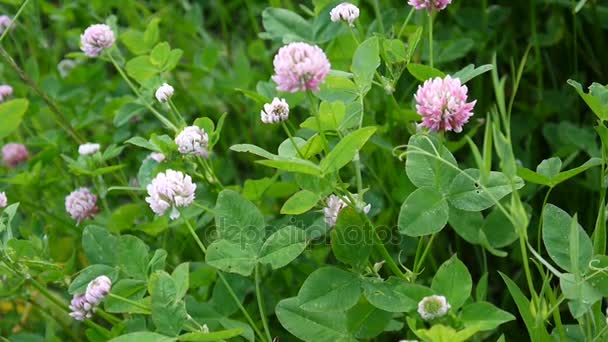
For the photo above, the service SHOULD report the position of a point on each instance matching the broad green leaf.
(423, 166)
(293, 165)
(141, 69)
(132, 256)
(545, 172)
(470, 72)
(285, 25)
(556, 237)
(423, 72)
(258, 151)
(312, 326)
(498, 230)
(484, 316)
(181, 277)
(239, 221)
(352, 239)
(453, 281)
(425, 211)
(168, 314)
(365, 62)
(152, 32)
(79, 284)
(99, 245)
(131, 289)
(442, 333)
(580, 293)
(329, 289)
(366, 321)
(283, 246)
(141, 142)
(346, 150)
(160, 54)
(231, 257)
(12, 113)
(337, 88)
(468, 192)
(549, 167)
(134, 41)
(390, 295)
(140, 336)
(600, 109)
(301, 202)
(331, 115)
(210, 336)
(467, 224)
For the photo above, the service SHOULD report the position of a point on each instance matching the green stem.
(388, 258)
(424, 254)
(405, 22)
(14, 20)
(524, 257)
(378, 16)
(131, 302)
(431, 38)
(179, 115)
(293, 142)
(315, 112)
(260, 299)
(540, 220)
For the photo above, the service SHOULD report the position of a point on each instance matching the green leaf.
(283, 246)
(423, 166)
(285, 25)
(12, 113)
(337, 88)
(352, 239)
(390, 295)
(312, 326)
(293, 165)
(549, 167)
(99, 245)
(141, 69)
(141, 142)
(79, 284)
(301, 202)
(181, 277)
(134, 41)
(231, 257)
(556, 237)
(132, 256)
(484, 316)
(239, 221)
(582, 295)
(469, 192)
(173, 59)
(258, 151)
(441, 333)
(329, 289)
(423, 72)
(425, 211)
(365, 62)
(453, 281)
(127, 288)
(546, 172)
(470, 72)
(346, 150)
(599, 109)
(331, 115)
(210, 336)
(160, 54)
(151, 34)
(143, 336)
(168, 313)
(366, 321)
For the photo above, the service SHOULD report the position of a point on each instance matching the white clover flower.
(65, 66)
(432, 307)
(335, 204)
(164, 93)
(346, 12)
(157, 156)
(193, 140)
(3, 200)
(171, 189)
(275, 112)
(88, 148)
(81, 204)
(98, 289)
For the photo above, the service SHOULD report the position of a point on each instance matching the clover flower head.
(5, 91)
(275, 112)
(65, 66)
(98, 289)
(3, 200)
(300, 67)
(81, 204)
(14, 154)
(429, 4)
(344, 12)
(432, 307)
(170, 189)
(157, 157)
(442, 103)
(95, 39)
(88, 148)
(164, 93)
(5, 22)
(193, 140)
(334, 206)
(80, 308)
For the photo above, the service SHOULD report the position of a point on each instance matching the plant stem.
(315, 112)
(260, 299)
(524, 257)
(431, 38)
(424, 254)
(405, 22)
(131, 302)
(14, 20)
(293, 142)
(387, 257)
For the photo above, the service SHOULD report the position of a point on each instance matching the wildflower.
(170, 189)
(443, 104)
(81, 204)
(276, 111)
(5, 91)
(88, 149)
(157, 156)
(335, 204)
(429, 4)
(81, 309)
(193, 140)
(432, 307)
(5, 22)
(65, 66)
(344, 12)
(164, 93)
(98, 289)
(95, 39)
(14, 154)
(300, 67)
(3, 200)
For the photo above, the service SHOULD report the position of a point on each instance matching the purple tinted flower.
(14, 154)
(193, 140)
(95, 39)
(276, 111)
(5, 22)
(5, 91)
(344, 12)
(429, 4)
(3, 200)
(80, 308)
(157, 156)
(300, 67)
(81, 204)
(98, 289)
(170, 189)
(443, 104)
(335, 205)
